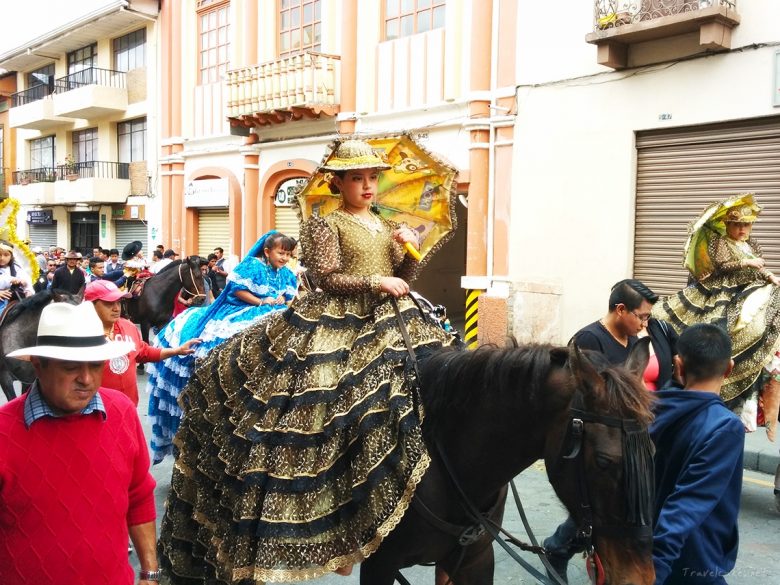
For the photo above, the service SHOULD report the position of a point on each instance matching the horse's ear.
(638, 356)
(583, 371)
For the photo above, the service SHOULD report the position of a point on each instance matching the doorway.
(84, 232)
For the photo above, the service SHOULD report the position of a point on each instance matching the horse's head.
(599, 458)
(192, 279)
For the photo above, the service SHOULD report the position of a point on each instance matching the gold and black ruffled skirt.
(300, 446)
(749, 312)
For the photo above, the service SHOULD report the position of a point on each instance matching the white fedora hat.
(72, 333)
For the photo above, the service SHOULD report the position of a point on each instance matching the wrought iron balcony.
(72, 172)
(618, 24)
(91, 76)
(295, 87)
(33, 94)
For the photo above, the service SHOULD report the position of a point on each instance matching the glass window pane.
(438, 17)
(391, 8)
(391, 29)
(295, 40)
(308, 13)
(407, 25)
(285, 21)
(284, 42)
(423, 4)
(423, 21)
(286, 3)
(223, 54)
(212, 20)
(213, 39)
(222, 36)
(317, 37)
(295, 17)
(212, 57)
(407, 6)
(317, 14)
(307, 39)
(223, 16)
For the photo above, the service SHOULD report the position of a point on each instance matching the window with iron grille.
(82, 58)
(130, 51)
(407, 17)
(213, 41)
(131, 136)
(42, 153)
(85, 145)
(300, 26)
(42, 76)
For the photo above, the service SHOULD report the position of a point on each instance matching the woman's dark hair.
(157, 254)
(279, 239)
(705, 350)
(630, 293)
(333, 189)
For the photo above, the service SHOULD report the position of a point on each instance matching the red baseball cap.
(104, 290)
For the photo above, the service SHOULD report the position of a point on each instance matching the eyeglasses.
(642, 318)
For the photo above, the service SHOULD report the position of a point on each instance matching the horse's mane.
(623, 392)
(454, 379)
(32, 303)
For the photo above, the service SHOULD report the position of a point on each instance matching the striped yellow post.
(472, 318)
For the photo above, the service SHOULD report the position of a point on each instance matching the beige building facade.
(83, 115)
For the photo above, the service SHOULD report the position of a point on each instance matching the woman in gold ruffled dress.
(732, 286)
(300, 446)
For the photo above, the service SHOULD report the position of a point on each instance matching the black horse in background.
(490, 414)
(154, 306)
(20, 329)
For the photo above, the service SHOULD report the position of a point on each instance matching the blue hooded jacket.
(698, 469)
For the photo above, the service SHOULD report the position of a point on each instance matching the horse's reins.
(468, 535)
(194, 283)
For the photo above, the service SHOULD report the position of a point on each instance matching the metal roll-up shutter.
(213, 230)
(128, 230)
(43, 235)
(681, 171)
(286, 221)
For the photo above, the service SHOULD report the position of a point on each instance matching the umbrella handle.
(412, 251)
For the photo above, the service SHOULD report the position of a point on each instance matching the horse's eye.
(603, 461)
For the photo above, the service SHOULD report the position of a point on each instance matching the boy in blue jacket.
(698, 465)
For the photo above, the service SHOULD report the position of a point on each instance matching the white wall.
(574, 186)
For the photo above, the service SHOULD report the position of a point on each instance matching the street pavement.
(759, 553)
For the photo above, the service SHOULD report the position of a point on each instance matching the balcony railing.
(80, 170)
(33, 94)
(303, 85)
(91, 76)
(615, 13)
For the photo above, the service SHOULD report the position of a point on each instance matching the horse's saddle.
(137, 286)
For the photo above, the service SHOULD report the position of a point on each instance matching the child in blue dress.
(259, 285)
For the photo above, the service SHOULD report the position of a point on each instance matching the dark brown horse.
(493, 412)
(20, 329)
(154, 306)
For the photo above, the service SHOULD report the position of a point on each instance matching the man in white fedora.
(74, 466)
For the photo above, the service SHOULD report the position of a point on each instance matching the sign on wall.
(40, 217)
(207, 193)
(288, 191)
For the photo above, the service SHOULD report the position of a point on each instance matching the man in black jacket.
(70, 277)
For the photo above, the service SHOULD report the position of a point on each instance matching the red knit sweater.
(69, 488)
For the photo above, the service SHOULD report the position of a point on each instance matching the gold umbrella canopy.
(419, 190)
(23, 255)
(709, 224)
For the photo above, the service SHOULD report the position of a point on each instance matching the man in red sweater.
(74, 466)
(119, 372)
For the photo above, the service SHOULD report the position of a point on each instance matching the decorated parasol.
(711, 223)
(418, 189)
(9, 209)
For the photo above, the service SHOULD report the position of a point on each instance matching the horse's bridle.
(197, 293)
(639, 527)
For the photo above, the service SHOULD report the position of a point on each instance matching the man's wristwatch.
(150, 575)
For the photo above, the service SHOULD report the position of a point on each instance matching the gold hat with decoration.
(352, 155)
(743, 213)
(9, 209)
